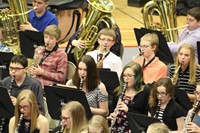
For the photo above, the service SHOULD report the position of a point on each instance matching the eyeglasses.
(25, 107)
(161, 94)
(197, 93)
(104, 39)
(16, 69)
(64, 118)
(143, 46)
(128, 75)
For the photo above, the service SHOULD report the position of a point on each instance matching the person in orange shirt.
(153, 68)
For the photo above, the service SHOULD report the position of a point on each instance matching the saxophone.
(19, 123)
(117, 111)
(190, 116)
(175, 76)
(100, 62)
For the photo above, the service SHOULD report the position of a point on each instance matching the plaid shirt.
(54, 66)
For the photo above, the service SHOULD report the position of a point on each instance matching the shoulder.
(41, 120)
(12, 121)
(91, 53)
(102, 88)
(158, 61)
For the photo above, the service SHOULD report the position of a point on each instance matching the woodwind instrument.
(81, 83)
(62, 129)
(19, 123)
(11, 86)
(100, 62)
(2, 124)
(158, 109)
(119, 100)
(190, 117)
(175, 76)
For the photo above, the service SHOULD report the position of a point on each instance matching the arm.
(43, 124)
(180, 123)
(191, 97)
(12, 125)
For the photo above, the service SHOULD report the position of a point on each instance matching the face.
(128, 77)
(146, 48)
(41, 6)
(162, 94)
(50, 41)
(197, 93)
(82, 70)
(192, 23)
(25, 108)
(17, 70)
(93, 129)
(66, 120)
(105, 42)
(184, 56)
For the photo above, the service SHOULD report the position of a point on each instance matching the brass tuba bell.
(98, 17)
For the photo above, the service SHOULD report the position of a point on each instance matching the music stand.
(139, 123)
(29, 40)
(6, 106)
(57, 95)
(163, 51)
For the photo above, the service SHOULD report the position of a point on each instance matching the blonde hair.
(152, 38)
(99, 121)
(29, 96)
(53, 30)
(77, 116)
(158, 128)
(107, 32)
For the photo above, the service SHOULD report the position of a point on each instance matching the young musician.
(3, 48)
(27, 118)
(132, 97)
(191, 34)
(157, 128)
(86, 77)
(51, 62)
(98, 124)
(73, 118)
(185, 73)
(19, 80)
(40, 17)
(163, 106)
(153, 68)
(103, 56)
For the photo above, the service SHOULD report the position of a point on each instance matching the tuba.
(11, 19)
(166, 10)
(98, 17)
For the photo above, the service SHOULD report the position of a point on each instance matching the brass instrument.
(158, 109)
(190, 117)
(19, 123)
(175, 76)
(166, 10)
(11, 20)
(100, 62)
(117, 111)
(98, 17)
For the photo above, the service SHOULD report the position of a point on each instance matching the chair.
(70, 70)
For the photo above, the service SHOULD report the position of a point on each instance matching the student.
(191, 34)
(3, 48)
(153, 68)
(51, 62)
(73, 118)
(86, 77)
(133, 97)
(27, 118)
(157, 128)
(103, 56)
(19, 80)
(40, 17)
(163, 106)
(98, 124)
(185, 73)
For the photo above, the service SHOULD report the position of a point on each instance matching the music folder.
(163, 51)
(139, 123)
(58, 95)
(6, 106)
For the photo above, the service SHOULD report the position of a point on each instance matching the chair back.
(70, 70)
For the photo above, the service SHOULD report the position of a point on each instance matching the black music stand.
(139, 123)
(163, 51)
(56, 96)
(29, 40)
(5, 58)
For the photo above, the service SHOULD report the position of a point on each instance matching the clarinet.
(61, 130)
(119, 100)
(2, 124)
(190, 117)
(19, 123)
(81, 83)
(11, 85)
(158, 109)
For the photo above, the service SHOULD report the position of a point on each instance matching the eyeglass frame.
(161, 94)
(196, 93)
(16, 69)
(128, 75)
(26, 107)
(103, 39)
(64, 118)
(144, 46)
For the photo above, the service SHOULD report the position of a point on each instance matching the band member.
(103, 56)
(131, 98)
(40, 17)
(185, 73)
(157, 128)
(95, 91)
(73, 118)
(163, 106)
(191, 34)
(153, 68)
(27, 118)
(51, 64)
